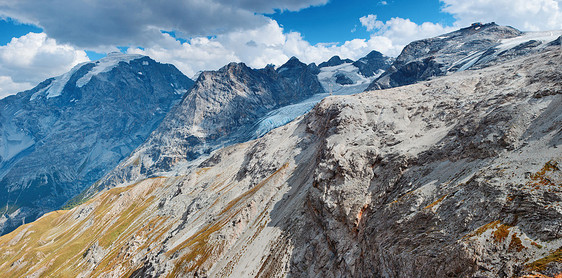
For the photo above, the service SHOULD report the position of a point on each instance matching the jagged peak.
(233, 65)
(373, 54)
(293, 59)
(293, 62)
(334, 61)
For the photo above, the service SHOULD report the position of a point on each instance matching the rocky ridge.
(474, 47)
(459, 176)
(223, 108)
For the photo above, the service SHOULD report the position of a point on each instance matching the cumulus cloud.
(370, 22)
(102, 23)
(219, 32)
(391, 36)
(30, 59)
(9, 87)
(527, 15)
(267, 44)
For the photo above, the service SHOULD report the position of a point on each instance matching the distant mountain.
(223, 108)
(67, 132)
(334, 61)
(372, 64)
(474, 47)
(345, 77)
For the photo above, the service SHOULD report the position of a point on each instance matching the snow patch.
(543, 37)
(105, 65)
(56, 87)
(40, 92)
(327, 78)
(13, 141)
(180, 91)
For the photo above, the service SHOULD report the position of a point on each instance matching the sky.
(42, 39)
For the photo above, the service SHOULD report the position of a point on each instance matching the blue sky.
(335, 21)
(41, 39)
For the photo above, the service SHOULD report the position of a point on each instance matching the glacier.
(327, 78)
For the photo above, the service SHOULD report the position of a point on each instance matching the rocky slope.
(67, 132)
(455, 177)
(474, 47)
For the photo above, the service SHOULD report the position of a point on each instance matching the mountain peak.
(373, 63)
(374, 54)
(88, 70)
(294, 61)
(466, 48)
(334, 61)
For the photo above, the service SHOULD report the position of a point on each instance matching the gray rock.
(374, 62)
(471, 47)
(343, 80)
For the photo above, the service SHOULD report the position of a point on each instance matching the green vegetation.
(54, 245)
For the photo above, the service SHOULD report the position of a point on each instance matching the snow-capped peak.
(105, 64)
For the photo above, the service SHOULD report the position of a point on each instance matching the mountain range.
(448, 165)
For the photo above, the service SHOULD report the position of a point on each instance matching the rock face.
(223, 108)
(373, 63)
(67, 132)
(474, 47)
(343, 80)
(455, 177)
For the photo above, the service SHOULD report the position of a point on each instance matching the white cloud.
(30, 59)
(102, 23)
(527, 15)
(391, 36)
(370, 22)
(268, 44)
(9, 87)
